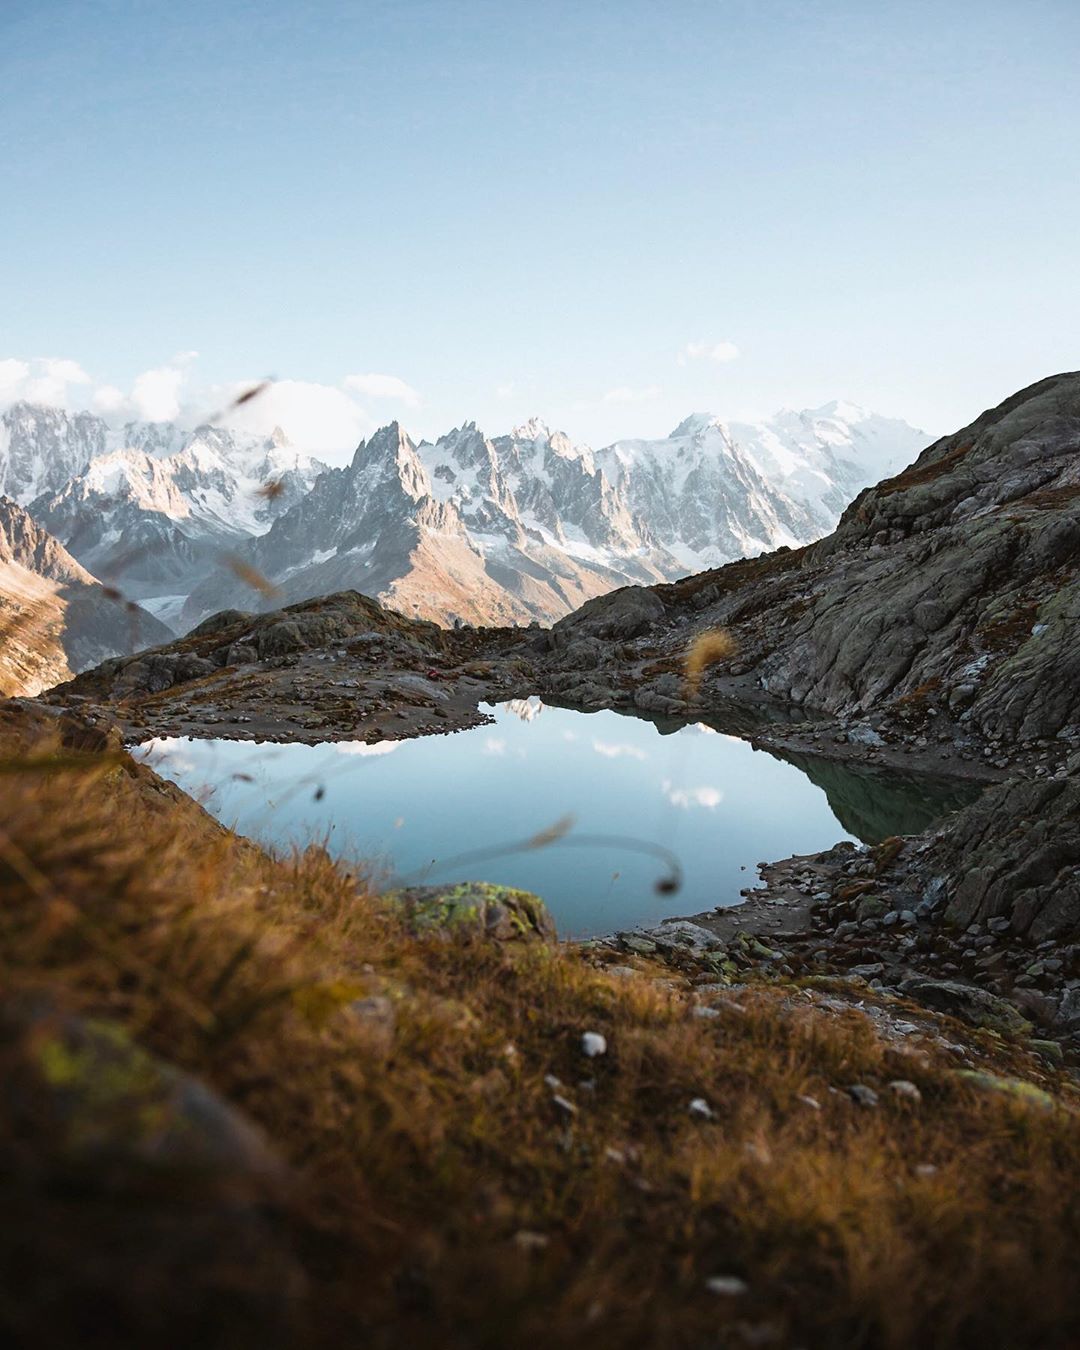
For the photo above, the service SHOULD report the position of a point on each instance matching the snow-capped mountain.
(55, 619)
(509, 528)
(714, 491)
(157, 506)
(486, 531)
(41, 448)
(529, 525)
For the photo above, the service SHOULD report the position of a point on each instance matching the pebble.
(701, 1110)
(862, 1095)
(901, 1087)
(593, 1044)
(728, 1286)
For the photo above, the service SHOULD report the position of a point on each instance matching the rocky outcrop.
(236, 638)
(1014, 857)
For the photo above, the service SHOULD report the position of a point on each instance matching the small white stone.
(593, 1044)
(728, 1286)
(700, 1109)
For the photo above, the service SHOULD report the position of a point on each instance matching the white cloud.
(108, 399)
(687, 798)
(321, 419)
(505, 391)
(155, 395)
(624, 394)
(610, 751)
(316, 417)
(383, 386)
(720, 352)
(45, 379)
(364, 749)
(13, 375)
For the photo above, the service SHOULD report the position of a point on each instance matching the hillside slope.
(55, 618)
(250, 1106)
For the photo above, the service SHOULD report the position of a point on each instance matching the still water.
(633, 802)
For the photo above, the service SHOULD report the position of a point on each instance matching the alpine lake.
(616, 821)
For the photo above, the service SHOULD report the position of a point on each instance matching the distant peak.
(535, 429)
(696, 422)
(393, 433)
(278, 439)
(842, 410)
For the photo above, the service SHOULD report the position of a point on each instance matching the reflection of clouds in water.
(496, 746)
(569, 735)
(362, 747)
(616, 751)
(166, 752)
(687, 798)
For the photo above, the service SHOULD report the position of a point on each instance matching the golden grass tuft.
(426, 1140)
(708, 649)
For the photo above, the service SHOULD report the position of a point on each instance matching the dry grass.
(425, 1146)
(708, 649)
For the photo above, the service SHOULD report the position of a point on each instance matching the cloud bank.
(322, 419)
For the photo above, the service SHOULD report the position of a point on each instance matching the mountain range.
(508, 529)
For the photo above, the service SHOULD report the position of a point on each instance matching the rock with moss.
(130, 1190)
(977, 1006)
(476, 908)
(1021, 1091)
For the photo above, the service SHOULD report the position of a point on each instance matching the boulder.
(476, 908)
(134, 1198)
(977, 1006)
(622, 614)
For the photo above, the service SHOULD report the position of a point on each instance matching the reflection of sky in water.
(715, 802)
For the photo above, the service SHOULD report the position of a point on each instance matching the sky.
(606, 214)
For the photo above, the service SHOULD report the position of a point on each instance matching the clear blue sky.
(516, 208)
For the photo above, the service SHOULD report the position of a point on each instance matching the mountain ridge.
(515, 528)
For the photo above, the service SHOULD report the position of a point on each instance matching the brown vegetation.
(708, 649)
(445, 1198)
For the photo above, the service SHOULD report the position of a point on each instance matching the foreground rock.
(127, 1181)
(476, 908)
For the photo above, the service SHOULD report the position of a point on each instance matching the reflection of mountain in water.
(870, 802)
(527, 709)
(873, 804)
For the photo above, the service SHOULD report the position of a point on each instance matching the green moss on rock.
(479, 908)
